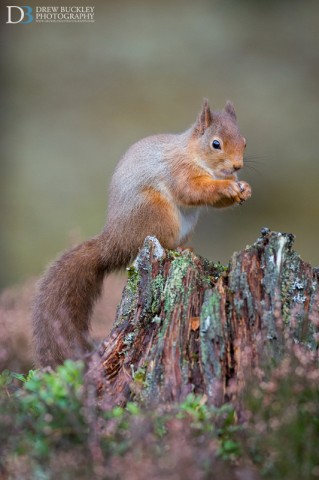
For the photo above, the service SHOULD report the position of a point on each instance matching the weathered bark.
(186, 324)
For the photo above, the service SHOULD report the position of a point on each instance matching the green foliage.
(47, 409)
(48, 416)
(221, 422)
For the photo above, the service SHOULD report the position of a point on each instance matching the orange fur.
(160, 218)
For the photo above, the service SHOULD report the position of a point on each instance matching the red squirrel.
(157, 189)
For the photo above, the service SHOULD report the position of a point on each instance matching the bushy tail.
(65, 298)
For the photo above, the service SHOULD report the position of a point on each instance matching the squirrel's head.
(217, 141)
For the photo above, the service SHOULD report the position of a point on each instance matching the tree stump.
(185, 324)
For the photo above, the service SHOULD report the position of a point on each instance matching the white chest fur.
(188, 220)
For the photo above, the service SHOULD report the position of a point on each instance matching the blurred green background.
(76, 96)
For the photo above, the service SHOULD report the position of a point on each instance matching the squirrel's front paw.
(245, 191)
(232, 191)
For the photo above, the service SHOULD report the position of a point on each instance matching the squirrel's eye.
(216, 144)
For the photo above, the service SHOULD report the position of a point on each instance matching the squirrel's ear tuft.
(230, 109)
(204, 119)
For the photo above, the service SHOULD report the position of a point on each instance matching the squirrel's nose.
(237, 166)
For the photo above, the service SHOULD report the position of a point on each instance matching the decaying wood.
(186, 324)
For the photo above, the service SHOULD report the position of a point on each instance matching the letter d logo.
(24, 10)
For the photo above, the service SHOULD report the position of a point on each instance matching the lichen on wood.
(185, 324)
